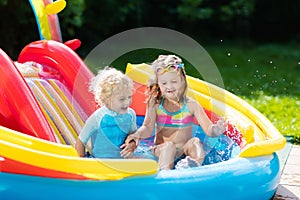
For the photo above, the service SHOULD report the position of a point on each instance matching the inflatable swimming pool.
(44, 102)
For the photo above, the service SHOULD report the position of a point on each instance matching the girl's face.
(171, 85)
(120, 100)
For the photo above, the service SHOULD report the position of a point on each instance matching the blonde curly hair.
(107, 83)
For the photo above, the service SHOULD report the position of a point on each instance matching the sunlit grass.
(266, 76)
(283, 111)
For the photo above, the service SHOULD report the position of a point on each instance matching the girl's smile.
(170, 84)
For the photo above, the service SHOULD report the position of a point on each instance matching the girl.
(173, 113)
(109, 125)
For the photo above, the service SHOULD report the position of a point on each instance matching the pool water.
(217, 149)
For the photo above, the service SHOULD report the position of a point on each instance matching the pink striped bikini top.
(180, 118)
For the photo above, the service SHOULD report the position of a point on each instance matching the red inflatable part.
(72, 71)
(18, 108)
(16, 167)
(73, 44)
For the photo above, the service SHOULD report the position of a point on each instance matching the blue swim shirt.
(107, 131)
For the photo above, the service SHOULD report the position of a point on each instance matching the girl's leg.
(194, 149)
(166, 153)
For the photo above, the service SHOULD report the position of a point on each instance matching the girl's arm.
(147, 128)
(208, 127)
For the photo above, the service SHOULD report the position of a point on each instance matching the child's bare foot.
(187, 162)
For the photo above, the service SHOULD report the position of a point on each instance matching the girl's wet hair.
(163, 61)
(107, 81)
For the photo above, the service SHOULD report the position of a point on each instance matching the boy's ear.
(106, 102)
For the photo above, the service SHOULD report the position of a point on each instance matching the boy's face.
(120, 100)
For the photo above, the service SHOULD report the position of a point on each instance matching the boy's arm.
(80, 148)
(89, 127)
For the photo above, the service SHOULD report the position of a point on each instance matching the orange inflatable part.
(139, 99)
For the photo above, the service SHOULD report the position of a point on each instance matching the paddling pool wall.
(238, 178)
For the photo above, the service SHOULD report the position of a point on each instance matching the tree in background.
(92, 21)
(18, 26)
(229, 18)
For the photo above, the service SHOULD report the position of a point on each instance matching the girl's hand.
(128, 149)
(132, 137)
(219, 127)
(131, 142)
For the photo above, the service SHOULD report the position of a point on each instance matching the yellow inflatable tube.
(27, 141)
(266, 138)
(63, 158)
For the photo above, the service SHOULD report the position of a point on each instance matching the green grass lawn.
(265, 75)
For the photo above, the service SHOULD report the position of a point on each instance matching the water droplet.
(235, 66)
(228, 54)
(249, 60)
(298, 63)
(271, 61)
(275, 67)
(221, 40)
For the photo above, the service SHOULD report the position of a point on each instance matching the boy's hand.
(128, 149)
